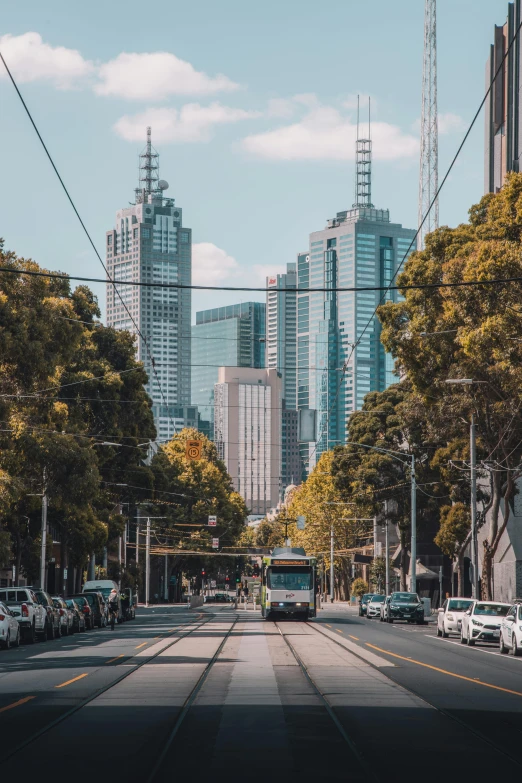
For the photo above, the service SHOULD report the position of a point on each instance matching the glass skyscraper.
(231, 336)
(150, 244)
(358, 248)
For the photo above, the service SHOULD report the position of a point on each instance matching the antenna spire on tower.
(363, 165)
(429, 148)
(148, 171)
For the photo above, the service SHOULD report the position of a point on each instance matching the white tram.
(288, 583)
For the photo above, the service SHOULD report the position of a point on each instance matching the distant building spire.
(429, 148)
(148, 171)
(363, 165)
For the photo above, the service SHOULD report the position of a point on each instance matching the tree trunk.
(18, 540)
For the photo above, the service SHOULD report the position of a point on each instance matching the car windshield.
(377, 599)
(81, 600)
(70, 603)
(105, 591)
(298, 578)
(494, 610)
(459, 605)
(366, 597)
(405, 598)
(42, 599)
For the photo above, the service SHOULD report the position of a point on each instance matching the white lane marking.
(475, 649)
(356, 649)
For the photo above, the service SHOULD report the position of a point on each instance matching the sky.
(253, 111)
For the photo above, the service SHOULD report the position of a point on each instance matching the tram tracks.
(133, 668)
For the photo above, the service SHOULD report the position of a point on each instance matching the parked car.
(385, 609)
(97, 605)
(374, 606)
(510, 637)
(104, 587)
(407, 607)
(481, 622)
(85, 608)
(79, 623)
(450, 614)
(363, 603)
(9, 628)
(66, 616)
(53, 615)
(30, 615)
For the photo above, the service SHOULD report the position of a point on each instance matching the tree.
(454, 536)
(359, 587)
(472, 332)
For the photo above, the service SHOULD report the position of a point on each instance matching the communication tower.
(429, 146)
(363, 165)
(148, 172)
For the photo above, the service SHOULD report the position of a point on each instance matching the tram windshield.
(284, 578)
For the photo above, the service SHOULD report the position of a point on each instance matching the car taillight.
(61, 612)
(86, 609)
(2, 617)
(25, 610)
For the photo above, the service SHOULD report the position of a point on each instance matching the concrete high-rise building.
(281, 330)
(502, 111)
(231, 336)
(247, 423)
(150, 244)
(358, 248)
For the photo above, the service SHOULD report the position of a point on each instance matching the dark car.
(53, 614)
(97, 604)
(363, 603)
(407, 607)
(79, 623)
(85, 608)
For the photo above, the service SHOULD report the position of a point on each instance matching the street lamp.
(473, 476)
(395, 455)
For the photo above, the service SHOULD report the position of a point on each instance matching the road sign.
(212, 521)
(212, 582)
(301, 523)
(65, 573)
(193, 449)
(215, 543)
(378, 549)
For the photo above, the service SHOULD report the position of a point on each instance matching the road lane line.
(445, 671)
(141, 645)
(115, 659)
(338, 631)
(74, 679)
(353, 637)
(328, 626)
(496, 653)
(16, 703)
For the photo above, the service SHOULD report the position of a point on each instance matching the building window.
(184, 237)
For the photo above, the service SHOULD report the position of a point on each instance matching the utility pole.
(440, 585)
(147, 563)
(165, 585)
(125, 532)
(387, 547)
(413, 585)
(137, 545)
(44, 533)
(332, 564)
(474, 542)
(119, 563)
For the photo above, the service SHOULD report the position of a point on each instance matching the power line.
(84, 227)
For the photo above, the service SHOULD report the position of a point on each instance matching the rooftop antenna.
(429, 147)
(148, 171)
(363, 165)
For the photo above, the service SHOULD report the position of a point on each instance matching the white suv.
(511, 631)
(450, 614)
(481, 622)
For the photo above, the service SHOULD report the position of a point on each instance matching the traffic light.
(238, 577)
(202, 572)
(227, 578)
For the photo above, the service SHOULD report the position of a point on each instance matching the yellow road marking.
(74, 679)
(445, 671)
(16, 703)
(115, 659)
(353, 637)
(140, 645)
(338, 631)
(328, 626)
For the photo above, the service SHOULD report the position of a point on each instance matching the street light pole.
(44, 535)
(387, 547)
(413, 584)
(147, 563)
(474, 542)
(331, 564)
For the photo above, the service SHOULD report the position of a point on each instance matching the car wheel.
(7, 643)
(501, 646)
(471, 642)
(420, 622)
(463, 639)
(445, 634)
(49, 632)
(514, 646)
(439, 632)
(390, 619)
(31, 636)
(17, 640)
(57, 632)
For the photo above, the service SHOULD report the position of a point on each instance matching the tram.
(288, 583)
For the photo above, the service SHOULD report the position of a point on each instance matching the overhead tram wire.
(84, 227)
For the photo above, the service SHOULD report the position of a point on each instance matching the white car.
(511, 631)
(374, 606)
(450, 615)
(481, 622)
(9, 628)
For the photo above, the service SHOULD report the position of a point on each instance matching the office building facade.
(281, 330)
(359, 248)
(231, 336)
(247, 422)
(502, 112)
(149, 243)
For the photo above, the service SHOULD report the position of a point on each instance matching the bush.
(359, 587)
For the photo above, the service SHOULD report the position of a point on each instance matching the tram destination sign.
(290, 562)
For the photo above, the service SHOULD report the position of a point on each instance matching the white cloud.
(262, 271)
(156, 75)
(191, 123)
(211, 265)
(281, 107)
(450, 123)
(30, 59)
(324, 134)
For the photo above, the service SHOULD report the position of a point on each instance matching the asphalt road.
(216, 694)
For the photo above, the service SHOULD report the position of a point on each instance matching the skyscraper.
(502, 111)
(231, 336)
(150, 244)
(281, 330)
(248, 433)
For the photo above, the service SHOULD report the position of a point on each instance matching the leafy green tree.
(454, 536)
(470, 332)
(359, 587)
